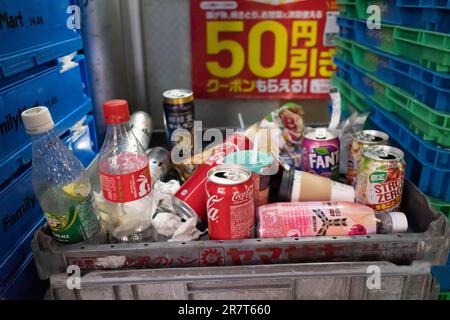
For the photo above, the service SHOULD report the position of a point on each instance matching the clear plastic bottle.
(60, 183)
(125, 178)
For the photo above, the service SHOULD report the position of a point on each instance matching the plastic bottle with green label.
(60, 183)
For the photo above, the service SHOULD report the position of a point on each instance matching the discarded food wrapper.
(345, 130)
(288, 120)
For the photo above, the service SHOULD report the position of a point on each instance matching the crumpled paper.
(170, 187)
(167, 223)
(187, 231)
(165, 219)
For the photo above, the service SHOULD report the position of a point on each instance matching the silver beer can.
(142, 126)
(160, 163)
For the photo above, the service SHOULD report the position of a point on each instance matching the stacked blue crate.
(39, 65)
(367, 54)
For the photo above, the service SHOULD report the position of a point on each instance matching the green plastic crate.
(426, 14)
(440, 205)
(430, 49)
(352, 100)
(444, 296)
(357, 54)
(430, 124)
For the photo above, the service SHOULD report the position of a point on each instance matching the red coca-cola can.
(190, 200)
(230, 204)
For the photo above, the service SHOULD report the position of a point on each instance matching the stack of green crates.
(400, 72)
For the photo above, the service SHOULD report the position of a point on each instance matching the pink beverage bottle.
(125, 178)
(310, 219)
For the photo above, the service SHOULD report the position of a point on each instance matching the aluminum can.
(160, 163)
(142, 127)
(190, 199)
(230, 204)
(320, 153)
(380, 179)
(260, 171)
(178, 112)
(360, 141)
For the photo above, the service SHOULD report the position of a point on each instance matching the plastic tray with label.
(427, 239)
(34, 32)
(63, 90)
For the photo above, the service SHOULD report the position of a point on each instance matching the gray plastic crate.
(341, 280)
(427, 240)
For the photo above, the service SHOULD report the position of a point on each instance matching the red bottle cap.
(116, 111)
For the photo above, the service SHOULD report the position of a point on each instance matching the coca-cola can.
(230, 204)
(190, 199)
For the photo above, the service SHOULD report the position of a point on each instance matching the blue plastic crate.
(63, 92)
(442, 274)
(25, 284)
(428, 166)
(427, 153)
(36, 33)
(82, 142)
(430, 180)
(429, 87)
(20, 251)
(430, 15)
(427, 48)
(19, 214)
(430, 124)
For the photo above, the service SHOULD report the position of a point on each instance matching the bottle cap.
(116, 111)
(37, 120)
(399, 222)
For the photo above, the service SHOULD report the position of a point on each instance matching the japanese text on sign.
(255, 51)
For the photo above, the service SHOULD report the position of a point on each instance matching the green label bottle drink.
(60, 183)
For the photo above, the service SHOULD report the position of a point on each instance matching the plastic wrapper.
(345, 130)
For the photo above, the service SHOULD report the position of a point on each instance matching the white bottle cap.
(342, 192)
(399, 222)
(37, 120)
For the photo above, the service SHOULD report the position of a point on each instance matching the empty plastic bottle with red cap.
(125, 178)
